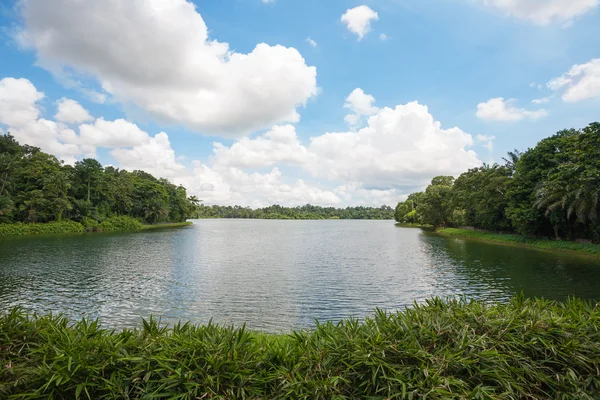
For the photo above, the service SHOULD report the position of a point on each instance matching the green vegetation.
(304, 212)
(545, 244)
(167, 225)
(528, 349)
(39, 194)
(20, 228)
(549, 191)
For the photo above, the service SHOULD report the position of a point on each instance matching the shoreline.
(555, 246)
(72, 227)
(525, 348)
(167, 225)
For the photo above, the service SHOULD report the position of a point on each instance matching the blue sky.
(280, 107)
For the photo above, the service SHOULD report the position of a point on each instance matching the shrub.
(455, 349)
(20, 228)
(120, 224)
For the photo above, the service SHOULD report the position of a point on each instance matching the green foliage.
(436, 209)
(20, 228)
(549, 191)
(35, 187)
(455, 349)
(120, 224)
(479, 195)
(303, 212)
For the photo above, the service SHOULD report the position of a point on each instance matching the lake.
(272, 275)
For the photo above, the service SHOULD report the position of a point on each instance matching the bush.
(120, 224)
(455, 349)
(20, 228)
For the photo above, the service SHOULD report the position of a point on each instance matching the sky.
(260, 102)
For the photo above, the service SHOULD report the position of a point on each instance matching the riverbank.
(167, 225)
(517, 240)
(442, 349)
(411, 225)
(114, 224)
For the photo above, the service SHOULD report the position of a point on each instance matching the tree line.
(551, 190)
(36, 187)
(303, 212)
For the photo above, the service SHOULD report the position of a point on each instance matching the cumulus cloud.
(498, 109)
(110, 134)
(229, 185)
(20, 112)
(398, 152)
(154, 156)
(18, 102)
(157, 56)
(544, 12)
(279, 145)
(400, 147)
(581, 82)
(358, 20)
(361, 104)
(71, 112)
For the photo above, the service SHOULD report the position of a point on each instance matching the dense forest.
(36, 187)
(551, 190)
(304, 212)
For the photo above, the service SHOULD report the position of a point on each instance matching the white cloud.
(229, 186)
(498, 109)
(581, 82)
(154, 156)
(543, 100)
(487, 141)
(358, 20)
(279, 145)
(397, 153)
(18, 102)
(383, 36)
(20, 112)
(111, 134)
(71, 112)
(311, 42)
(543, 12)
(400, 147)
(361, 104)
(162, 61)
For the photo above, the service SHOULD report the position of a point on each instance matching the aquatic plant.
(442, 349)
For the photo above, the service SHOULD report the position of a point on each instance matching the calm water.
(273, 275)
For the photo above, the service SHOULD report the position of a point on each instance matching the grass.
(544, 244)
(443, 349)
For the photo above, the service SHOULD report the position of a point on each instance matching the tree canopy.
(551, 190)
(37, 187)
(307, 211)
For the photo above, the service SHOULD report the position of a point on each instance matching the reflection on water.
(273, 275)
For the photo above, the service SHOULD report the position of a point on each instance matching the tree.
(436, 205)
(88, 171)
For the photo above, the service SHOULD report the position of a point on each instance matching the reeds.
(443, 349)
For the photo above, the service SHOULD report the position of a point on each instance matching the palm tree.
(513, 157)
